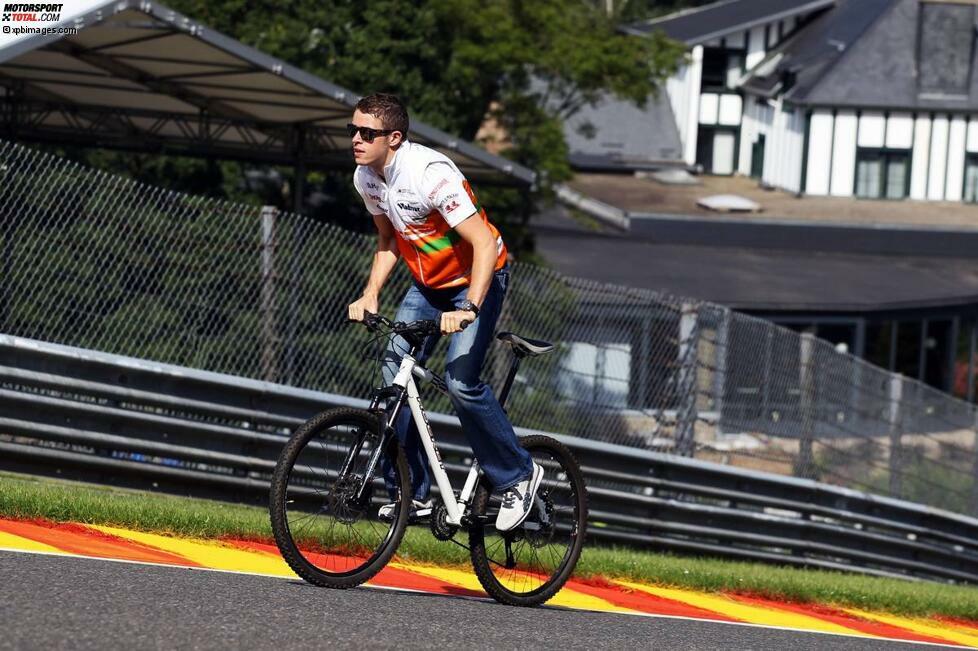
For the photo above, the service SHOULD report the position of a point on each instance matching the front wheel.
(529, 564)
(326, 527)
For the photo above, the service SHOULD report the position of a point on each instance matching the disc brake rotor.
(539, 526)
(341, 501)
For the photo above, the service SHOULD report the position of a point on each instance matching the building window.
(596, 374)
(722, 68)
(882, 173)
(966, 363)
(971, 178)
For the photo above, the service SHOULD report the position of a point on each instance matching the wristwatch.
(469, 306)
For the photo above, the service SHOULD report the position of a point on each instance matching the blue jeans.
(484, 422)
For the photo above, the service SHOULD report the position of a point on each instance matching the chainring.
(438, 522)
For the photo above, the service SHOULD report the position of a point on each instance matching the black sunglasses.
(367, 133)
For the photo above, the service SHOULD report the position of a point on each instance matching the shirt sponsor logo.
(372, 185)
(374, 197)
(438, 186)
(451, 206)
(407, 206)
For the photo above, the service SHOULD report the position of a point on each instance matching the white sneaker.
(418, 510)
(517, 501)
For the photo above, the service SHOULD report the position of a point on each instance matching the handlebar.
(423, 327)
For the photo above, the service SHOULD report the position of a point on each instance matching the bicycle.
(328, 484)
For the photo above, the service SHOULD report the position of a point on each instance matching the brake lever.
(371, 321)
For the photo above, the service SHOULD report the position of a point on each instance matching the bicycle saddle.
(525, 346)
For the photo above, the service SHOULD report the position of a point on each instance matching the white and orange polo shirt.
(425, 196)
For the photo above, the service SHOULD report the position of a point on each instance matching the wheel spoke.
(332, 531)
(542, 547)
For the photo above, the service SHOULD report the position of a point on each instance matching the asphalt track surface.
(57, 602)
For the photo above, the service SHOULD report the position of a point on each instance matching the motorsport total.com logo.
(28, 18)
(31, 13)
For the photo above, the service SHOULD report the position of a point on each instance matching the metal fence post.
(805, 462)
(269, 355)
(973, 506)
(720, 374)
(896, 431)
(6, 294)
(296, 273)
(972, 362)
(686, 416)
(766, 381)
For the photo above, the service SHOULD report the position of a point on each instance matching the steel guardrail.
(124, 421)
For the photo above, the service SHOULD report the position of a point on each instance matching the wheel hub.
(539, 526)
(342, 502)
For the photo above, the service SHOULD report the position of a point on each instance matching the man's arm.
(484, 255)
(385, 257)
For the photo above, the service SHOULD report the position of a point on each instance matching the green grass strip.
(24, 496)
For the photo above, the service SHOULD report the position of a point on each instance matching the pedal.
(423, 516)
(474, 520)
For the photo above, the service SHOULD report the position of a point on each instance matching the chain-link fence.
(97, 261)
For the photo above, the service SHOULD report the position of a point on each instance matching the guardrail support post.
(686, 416)
(896, 432)
(269, 329)
(805, 461)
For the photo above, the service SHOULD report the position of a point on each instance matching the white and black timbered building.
(864, 98)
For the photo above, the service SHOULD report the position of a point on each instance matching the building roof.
(814, 49)
(618, 134)
(143, 77)
(830, 61)
(637, 196)
(759, 279)
(704, 24)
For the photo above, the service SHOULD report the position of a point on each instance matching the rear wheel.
(328, 533)
(529, 564)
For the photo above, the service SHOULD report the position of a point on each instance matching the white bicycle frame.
(456, 508)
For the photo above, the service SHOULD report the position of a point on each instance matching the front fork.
(394, 397)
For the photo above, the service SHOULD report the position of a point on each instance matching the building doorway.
(757, 157)
(716, 149)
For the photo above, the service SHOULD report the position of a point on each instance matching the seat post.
(510, 376)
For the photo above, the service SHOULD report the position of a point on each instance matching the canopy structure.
(142, 77)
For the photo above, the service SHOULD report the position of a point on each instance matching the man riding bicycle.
(426, 213)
